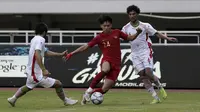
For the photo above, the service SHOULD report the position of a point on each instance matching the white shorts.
(45, 82)
(142, 62)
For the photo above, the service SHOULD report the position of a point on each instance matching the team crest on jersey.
(115, 37)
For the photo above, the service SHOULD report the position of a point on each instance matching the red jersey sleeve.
(123, 35)
(93, 42)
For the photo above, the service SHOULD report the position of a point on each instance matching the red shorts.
(114, 71)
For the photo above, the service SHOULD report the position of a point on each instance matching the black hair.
(41, 28)
(105, 18)
(133, 8)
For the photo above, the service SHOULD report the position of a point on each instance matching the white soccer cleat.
(69, 101)
(85, 98)
(11, 101)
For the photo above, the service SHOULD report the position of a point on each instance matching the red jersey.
(109, 45)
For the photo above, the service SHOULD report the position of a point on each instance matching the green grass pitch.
(123, 100)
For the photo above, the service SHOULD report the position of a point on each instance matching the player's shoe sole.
(11, 102)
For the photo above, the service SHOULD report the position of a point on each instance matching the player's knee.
(143, 78)
(105, 67)
(105, 70)
(57, 84)
(148, 71)
(141, 73)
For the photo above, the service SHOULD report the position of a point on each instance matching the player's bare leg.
(61, 94)
(108, 84)
(105, 69)
(95, 81)
(149, 73)
(148, 85)
(20, 92)
(155, 80)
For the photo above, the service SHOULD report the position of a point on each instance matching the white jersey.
(140, 44)
(33, 69)
(150, 45)
(149, 41)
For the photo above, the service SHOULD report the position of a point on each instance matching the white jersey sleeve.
(150, 30)
(39, 44)
(123, 30)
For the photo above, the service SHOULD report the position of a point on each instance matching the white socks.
(153, 93)
(89, 90)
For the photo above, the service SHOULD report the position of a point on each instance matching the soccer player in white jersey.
(142, 52)
(37, 74)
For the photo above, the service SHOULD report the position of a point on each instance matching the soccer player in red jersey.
(109, 43)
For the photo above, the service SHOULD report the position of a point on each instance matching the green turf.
(114, 101)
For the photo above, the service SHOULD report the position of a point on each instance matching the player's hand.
(64, 53)
(67, 57)
(139, 30)
(172, 39)
(45, 72)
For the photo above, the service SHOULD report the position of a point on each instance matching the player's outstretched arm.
(133, 37)
(51, 53)
(160, 35)
(78, 50)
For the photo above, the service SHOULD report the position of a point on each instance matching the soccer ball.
(97, 98)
